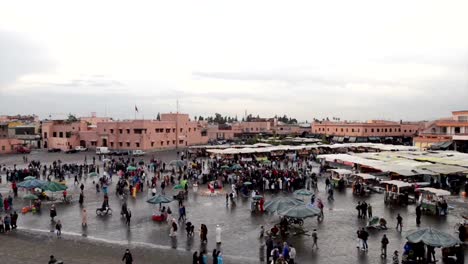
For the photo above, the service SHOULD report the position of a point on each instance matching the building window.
(390, 130)
(3, 148)
(404, 131)
(336, 129)
(112, 131)
(104, 130)
(168, 142)
(378, 130)
(120, 131)
(45, 134)
(162, 143)
(346, 130)
(189, 129)
(457, 130)
(385, 130)
(60, 134)
(352, 129)
(128, 144)
(121, 144)
(152, 143)
(137, 144)
(168, 130)
(68, 134)
(112, 144)
(341, 130)
(173, 130)
(128, 131)
(173, 142)
(328, 129)
(181, 141)
(181, 130)
(399, 130)
(194, 129)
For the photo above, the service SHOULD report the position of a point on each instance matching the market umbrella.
(300, 211)
(432, 237)
(54, 187)
(225, 167)
(178, 187)
(265, 161)
(106, 160)
(257, 197)
(303, 192)
(236, 167)
(282, 203)
(131, 168)
(28, 178)
(184, 183)
(31, 184)
(159, 199)
(30, 197)
(177, 163)
(93, 174)
(247, 183)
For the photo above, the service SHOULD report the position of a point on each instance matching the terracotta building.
(446, 133)
(371, 131)
(171, 131)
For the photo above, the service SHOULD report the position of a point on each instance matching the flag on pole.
(136, 108)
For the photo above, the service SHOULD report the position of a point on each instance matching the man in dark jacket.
(127, 257)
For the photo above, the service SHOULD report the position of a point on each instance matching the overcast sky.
(356, 60)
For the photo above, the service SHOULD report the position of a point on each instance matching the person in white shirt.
(292, 254)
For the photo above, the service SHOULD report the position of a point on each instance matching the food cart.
(397, 192)
(432, 200)
(341, 178)
(364, 184)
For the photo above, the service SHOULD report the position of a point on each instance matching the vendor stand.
(364, 184)
(341, 178)
(432, 200)
(397, 192)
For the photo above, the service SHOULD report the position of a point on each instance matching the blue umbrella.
(32, 184)
(432, 237)
(158, 199)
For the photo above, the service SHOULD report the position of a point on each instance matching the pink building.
(9, 145)
(172, 131)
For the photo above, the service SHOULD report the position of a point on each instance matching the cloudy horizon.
(357, 60)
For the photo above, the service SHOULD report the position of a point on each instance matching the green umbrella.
(178, 187)
(257, 197)
(184, 183)
(236, 167)
(131, 168)
(92, 174)
(159, 199)
(265, 161)
(247, 183)
(282, 203)
(300, 211)
(303, 192)
(30, 197)
(225, 167)
(54, 187)
(28, 178)
(432, 237)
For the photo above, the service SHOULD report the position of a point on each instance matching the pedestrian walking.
(292, 254)
(364, 237)
(418, 215)
(81, 199)
(399, 222)
(84, 217)
(174, 227)
(53, 212)
(215, 256)
(58, 229)
(395, 258)
(127, 257)
(358, 208)
(182, 214)
(369, 210)
(384, 242)
(14, 220)
(218, 234)
(315, 239)
(128, 217)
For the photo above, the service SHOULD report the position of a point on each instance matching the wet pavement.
(240, 235)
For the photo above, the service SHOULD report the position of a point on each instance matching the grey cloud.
(20, 56)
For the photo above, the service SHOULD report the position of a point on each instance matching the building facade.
(172, 131)
(371, 131)
(446, 133)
